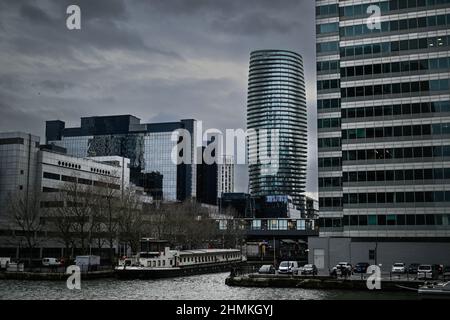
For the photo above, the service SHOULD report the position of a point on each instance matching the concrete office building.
(383, 132)
(28, 168)
(277, 101)
(147, 145)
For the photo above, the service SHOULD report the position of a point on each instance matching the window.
(256, 224)
(53, 176)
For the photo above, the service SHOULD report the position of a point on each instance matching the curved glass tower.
(277, 101)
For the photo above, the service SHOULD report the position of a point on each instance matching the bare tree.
(26, 212)
(78, 205)
(108, 211)
(131, 223)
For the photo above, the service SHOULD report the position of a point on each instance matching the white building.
(27, 168)
(225, 176)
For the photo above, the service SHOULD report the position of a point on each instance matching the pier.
(320, 282)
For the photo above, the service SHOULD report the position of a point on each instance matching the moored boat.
(440, 290)
(174, 263)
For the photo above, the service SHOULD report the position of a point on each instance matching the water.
(201, 287)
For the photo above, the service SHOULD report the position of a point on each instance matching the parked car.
(309, 269)
(342, 268)
(427, 271)
(361, 267)
(398, 267)
(412, 268)
(446, 273)
(4, 262)
(266, 269)
(288, 267)
(440, 268)
(51, 262)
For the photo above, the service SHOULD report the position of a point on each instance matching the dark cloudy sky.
(161, 60)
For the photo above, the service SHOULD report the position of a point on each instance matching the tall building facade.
(225, 176)
(277, 101)
(148, 146)
(35, 172)
(383, 131)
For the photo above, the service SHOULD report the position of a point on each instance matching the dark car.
(309, 269)
(412, 268)
(446, 272)
(361, 267)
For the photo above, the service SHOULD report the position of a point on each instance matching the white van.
(51, 262)
(288, 267)
(4, 262)
(87, 263)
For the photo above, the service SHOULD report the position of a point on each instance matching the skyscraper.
(148, 146)
(276, 101)
(383, 131)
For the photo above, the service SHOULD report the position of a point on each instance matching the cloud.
(161, 60)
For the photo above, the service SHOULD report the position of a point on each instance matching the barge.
(176, 263)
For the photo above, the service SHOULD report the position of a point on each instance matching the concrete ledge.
(54, 276)
(317, 283)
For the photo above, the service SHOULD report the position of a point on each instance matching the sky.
(160, 60)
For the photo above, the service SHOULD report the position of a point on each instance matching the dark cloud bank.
(160, 60)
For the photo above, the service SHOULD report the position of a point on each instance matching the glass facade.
(148, 146)
(276, 100)
(384, 118)
(160, 161)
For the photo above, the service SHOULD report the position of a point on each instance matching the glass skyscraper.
(277, 101)
(147, 145)
(384, 129)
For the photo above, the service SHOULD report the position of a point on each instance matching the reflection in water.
(202, 287)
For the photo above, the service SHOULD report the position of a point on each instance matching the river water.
(201, 287)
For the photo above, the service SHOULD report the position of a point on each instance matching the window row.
(330, 182)
(327, 28)
(396, 110)
(395, 46)
(386, 219)
(396, 88)
(324, 104)
(329, 142)
(328, 66)
(398, 131)
(396, 25)
(328, 84)
(396, 153)
(396, 197)
(330, 162)
(330, 202)
(396, 175)
(328, 47)
(395, 67)
(329, 123)
(331, 9)
(385, 7)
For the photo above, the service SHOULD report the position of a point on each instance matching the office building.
(276, 101)
(225, 173)
(383, 132)
(148, 146)
(37, 172)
